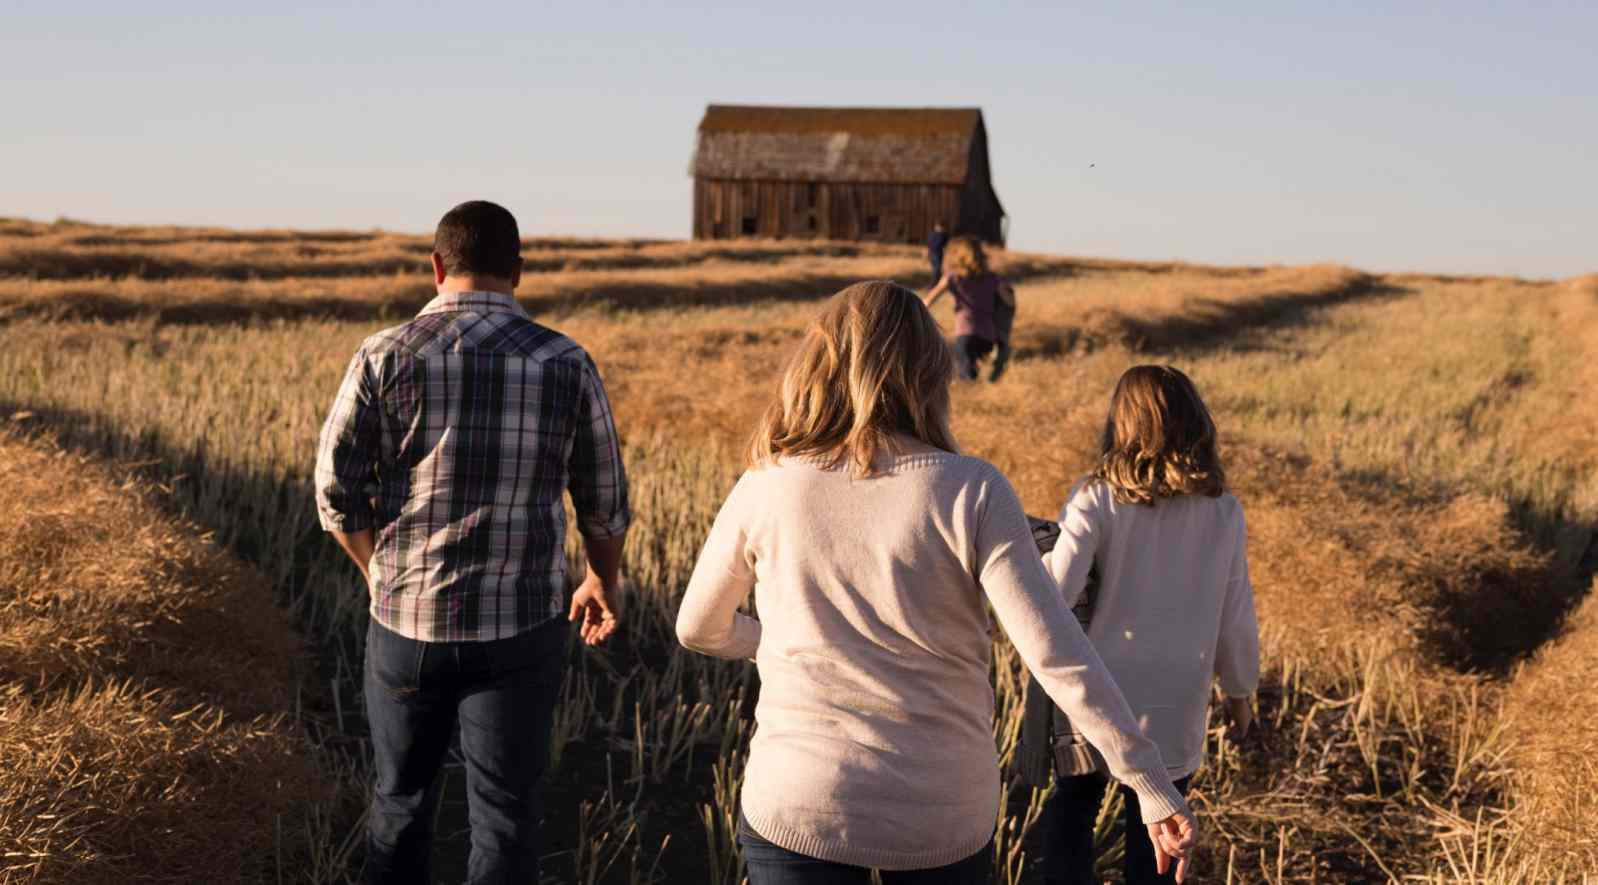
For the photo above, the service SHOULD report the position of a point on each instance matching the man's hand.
(1240, 717)
(595, 611)
(596, 605)
(358, 545)
(1173, 839)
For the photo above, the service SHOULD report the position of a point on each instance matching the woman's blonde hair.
(872, 365)
(1159, 440)
(965, 257)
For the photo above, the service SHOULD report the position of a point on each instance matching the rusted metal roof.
(895, 145)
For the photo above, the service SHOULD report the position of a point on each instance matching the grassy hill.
(1414, 454)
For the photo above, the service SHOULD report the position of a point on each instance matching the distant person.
(982, 300)
(440, 471)
(937, 241)
(1173, 608)
(873, 549)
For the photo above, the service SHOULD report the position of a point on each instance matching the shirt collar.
(484, 302)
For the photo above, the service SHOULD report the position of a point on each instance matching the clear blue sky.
(1451, 137)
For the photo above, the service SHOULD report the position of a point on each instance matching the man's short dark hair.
(478, 237)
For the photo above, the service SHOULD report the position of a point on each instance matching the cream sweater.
(874, 743)
(1174, 608)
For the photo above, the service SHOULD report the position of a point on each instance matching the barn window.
(812, 222)
(812, 193)
(749, 224)
(873, 224)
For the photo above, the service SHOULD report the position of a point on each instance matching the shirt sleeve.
(1006, 292)
(1051, 643)
(347, 452)
(1072, 557)
(1237, 656)
(709, 621)
(598, 480)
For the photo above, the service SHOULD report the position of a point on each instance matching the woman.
(870, 544)
(984, 307)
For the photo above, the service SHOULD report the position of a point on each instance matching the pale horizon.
(1456, 142)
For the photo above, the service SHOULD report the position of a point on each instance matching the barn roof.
(892, 145)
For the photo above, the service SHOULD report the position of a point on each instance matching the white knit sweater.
(1174, 609)
(874, 743)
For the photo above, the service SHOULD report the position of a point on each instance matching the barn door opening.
(749, 216)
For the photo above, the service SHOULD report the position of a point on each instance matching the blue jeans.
(770, 865)
(502, 693)
(1066, 832)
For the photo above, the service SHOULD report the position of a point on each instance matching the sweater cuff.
(1157, 797)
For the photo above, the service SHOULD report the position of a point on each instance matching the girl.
(870, 544)
(1173, 606)
(984, 307)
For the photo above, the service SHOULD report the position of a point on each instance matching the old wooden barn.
(884, 174)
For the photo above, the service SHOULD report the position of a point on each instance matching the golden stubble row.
(148, 686)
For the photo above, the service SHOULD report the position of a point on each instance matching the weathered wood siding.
(888, 213)
(883, 174)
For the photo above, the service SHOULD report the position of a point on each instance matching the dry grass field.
(150, 686)
(1414, 454)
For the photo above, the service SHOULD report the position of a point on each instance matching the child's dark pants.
(968, 349)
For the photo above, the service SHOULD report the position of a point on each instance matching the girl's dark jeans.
(1066, 833)
(968, 349)
(771, 865)
(502, 693)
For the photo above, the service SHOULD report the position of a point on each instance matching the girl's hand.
(1240, 716)
(1173, 839)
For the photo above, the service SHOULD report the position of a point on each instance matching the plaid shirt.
(453, 437)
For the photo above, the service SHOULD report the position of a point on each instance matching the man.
(936, 243)
(440, 471)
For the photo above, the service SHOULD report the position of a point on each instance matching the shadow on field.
(1200, 324)
(69, 264)
(98, 302)
(102, 257)
(1496, 581)
(90, 285)
(1207, 323)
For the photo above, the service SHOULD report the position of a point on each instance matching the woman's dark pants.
(1066, 833)
(770, 865)
(503, 694)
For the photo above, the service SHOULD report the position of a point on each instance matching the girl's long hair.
(1159, 440)
(874, 364)
(965, 257)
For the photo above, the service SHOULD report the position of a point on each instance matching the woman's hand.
(1173, 839)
